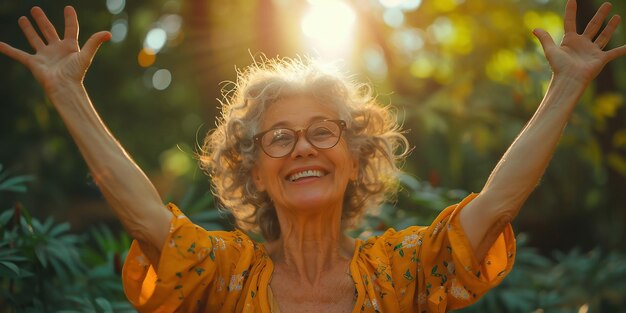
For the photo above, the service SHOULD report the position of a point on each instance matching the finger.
(607, 32)
(547, 43)
(570, 16)
(46, 28)
(29, 32)
(596, 22)
(616, 53)
(71, 23)
(14, 53)
(93, 43)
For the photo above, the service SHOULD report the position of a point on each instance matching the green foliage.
(198, 204)
(417, 203)
(46, 268)
(567, 282)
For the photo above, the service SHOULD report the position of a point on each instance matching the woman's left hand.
(579, 55)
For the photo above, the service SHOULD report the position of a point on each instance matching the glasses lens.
(323, 135)
(278, 142)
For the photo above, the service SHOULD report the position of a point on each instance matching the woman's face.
(308, 179)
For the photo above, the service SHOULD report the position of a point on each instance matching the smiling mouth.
(305, 174)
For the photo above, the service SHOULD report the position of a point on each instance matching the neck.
(310, 244)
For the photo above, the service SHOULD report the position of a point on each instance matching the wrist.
(563, 93)
(570, 80)
(62, 92)
(568, 84)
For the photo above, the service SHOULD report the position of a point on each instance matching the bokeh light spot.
(408, 40)
(116, 6)
(442, 30)
(422, 67)
(463, 30)
(155, 39)
(393, 17)
(501, 65)
(119, 30)
(171, 23)
(175, 162)
(550, 21)
(406, 5)
(146, 57)
(375, 62)
(161, 79)
(446, 5)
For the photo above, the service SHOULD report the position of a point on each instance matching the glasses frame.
(257, 138)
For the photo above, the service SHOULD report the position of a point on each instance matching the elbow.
(152, 229)
(504, 204)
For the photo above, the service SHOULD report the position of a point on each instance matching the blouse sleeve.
(437, 267)
(198, 269)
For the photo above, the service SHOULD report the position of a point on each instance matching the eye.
(322, 132)
(280, 137)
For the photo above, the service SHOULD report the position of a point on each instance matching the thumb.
(93, 43)
(14, 53)
(545, 39)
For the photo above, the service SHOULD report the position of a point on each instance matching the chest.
(333, 292)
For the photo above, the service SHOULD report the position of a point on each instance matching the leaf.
(6, 216)
(15, 184)
(204, 202)
(104, 304)
(40, 253)
(59, 270)
(59, 229)
(9, 270)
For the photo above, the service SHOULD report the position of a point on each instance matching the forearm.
(521, 167)
(523, 164)
(126, 188)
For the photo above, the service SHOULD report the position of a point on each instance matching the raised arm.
(575, 63)
(60, 66)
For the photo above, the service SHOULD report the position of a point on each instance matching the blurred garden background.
(464, 77)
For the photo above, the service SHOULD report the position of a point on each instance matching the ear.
(258, 182)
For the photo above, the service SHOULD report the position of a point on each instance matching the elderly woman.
(299, 155)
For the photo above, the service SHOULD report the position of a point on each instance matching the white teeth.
(308, 173)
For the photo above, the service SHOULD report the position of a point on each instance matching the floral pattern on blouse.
(418, 269)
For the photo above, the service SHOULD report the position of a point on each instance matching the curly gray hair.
(229, 153)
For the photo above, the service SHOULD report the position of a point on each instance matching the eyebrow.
(286, 124)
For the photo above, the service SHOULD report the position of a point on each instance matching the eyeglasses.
(279, 142)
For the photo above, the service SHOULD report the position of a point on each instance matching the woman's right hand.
(57, 62)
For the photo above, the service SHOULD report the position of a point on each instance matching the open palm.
(579, 55)
(56, 61)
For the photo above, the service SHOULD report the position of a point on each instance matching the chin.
(312, 203)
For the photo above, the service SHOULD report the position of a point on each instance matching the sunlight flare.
(329, 26)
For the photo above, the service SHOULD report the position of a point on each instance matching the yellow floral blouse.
(419, 269)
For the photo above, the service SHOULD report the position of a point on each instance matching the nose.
(302, 147)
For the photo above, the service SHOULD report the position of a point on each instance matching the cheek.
(264, 172)
(348, 165)
(269, 171)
